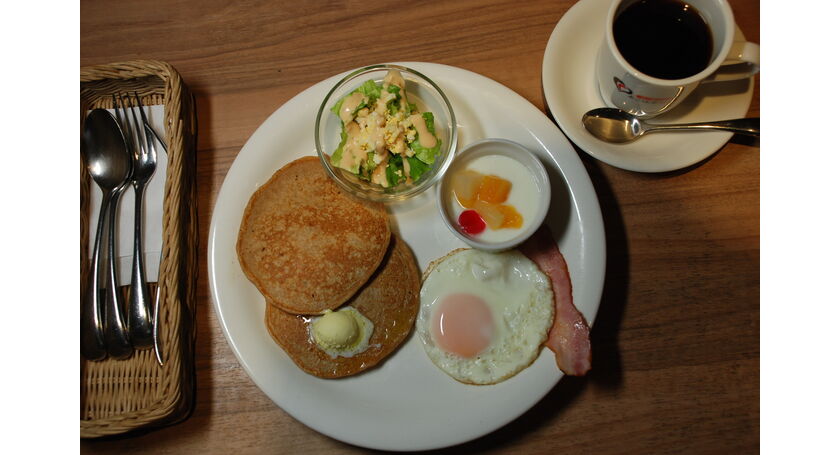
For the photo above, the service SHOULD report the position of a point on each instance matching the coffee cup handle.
(741, 62)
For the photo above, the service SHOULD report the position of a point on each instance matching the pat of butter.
(336, 330)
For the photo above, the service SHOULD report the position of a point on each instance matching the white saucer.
(570, 89)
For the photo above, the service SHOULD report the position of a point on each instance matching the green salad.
(384, 138)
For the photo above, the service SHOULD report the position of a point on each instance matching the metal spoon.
(109, 165)
(117, 341)
(614, 125)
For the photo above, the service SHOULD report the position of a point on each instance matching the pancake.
(307, 245)
(390, 300)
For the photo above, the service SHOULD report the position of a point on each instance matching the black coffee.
(666, 39)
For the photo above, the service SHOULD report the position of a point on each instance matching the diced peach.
(465, 184)
(490, 213)
(494, 189)
(512, 217)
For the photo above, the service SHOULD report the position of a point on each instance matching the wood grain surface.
(676, 343)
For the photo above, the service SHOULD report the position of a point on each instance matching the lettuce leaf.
(336, 109)
(335, 159)
(430, 121)
(416, 168)
(426, 154)
(371, 91)
(369, 164)
(394, 171)
(394, 104)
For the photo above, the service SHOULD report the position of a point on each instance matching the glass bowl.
(421, 91)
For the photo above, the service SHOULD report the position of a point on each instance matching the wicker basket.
(122, 395)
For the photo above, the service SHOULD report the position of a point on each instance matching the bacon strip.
(569, 336)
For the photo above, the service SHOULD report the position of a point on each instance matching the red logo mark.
(619, 85)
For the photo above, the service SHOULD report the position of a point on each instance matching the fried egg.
(484, 316)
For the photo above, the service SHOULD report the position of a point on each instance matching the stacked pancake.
(309, 248)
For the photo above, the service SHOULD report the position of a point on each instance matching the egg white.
(520, 298)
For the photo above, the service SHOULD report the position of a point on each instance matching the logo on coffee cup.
(621, 87)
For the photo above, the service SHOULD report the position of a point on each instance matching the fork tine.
(125, 124)
(150, 146)
(136, 130)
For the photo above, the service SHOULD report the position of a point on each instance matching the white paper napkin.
(153, 213)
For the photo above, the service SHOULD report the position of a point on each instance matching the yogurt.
(523, 195)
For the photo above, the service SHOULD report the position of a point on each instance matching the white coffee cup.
(627, 88)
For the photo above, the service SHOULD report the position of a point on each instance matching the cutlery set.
(120, 151)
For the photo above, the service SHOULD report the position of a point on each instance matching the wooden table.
(676, 343)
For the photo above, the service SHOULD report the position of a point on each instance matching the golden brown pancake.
(390, 300)
(307, 245)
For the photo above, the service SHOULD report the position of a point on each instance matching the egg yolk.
(462, 325)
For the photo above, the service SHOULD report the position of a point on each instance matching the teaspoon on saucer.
(616, 126)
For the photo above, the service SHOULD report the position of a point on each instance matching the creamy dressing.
(382, 103)
(407, 170)
(427, 139)
(523, 195)
(395, 78)
(349, 105)
(353, 153)
(378, 176)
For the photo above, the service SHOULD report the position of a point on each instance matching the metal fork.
(145, 162)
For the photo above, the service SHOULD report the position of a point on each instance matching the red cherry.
(471, 222)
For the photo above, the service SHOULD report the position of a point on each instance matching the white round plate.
(406, 403)
(570, 89)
